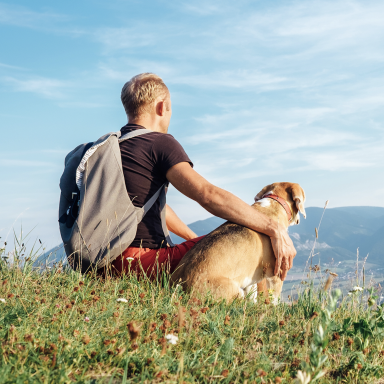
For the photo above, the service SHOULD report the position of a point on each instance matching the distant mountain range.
(341, 232)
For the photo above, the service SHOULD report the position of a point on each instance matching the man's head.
(146, 98)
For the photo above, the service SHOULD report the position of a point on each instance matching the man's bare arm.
(219, 202)
(224, 204)
(178, 227)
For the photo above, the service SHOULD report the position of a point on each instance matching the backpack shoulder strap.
(136, 132)
(91, 149)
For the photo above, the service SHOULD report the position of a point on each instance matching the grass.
(62, 327)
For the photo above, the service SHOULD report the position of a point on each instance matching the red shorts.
(152, 262)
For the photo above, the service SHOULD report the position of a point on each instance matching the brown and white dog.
(232, 259)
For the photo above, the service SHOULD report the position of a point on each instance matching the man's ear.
(160, 108)
(268, 188)
(298, 196)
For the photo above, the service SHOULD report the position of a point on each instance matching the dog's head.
(292, 193)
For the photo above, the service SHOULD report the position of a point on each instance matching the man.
(153, 159)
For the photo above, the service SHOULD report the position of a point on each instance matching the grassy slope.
(45, 338)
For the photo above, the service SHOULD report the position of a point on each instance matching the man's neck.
(147, 122)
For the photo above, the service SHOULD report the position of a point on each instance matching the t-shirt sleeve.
(167, 152)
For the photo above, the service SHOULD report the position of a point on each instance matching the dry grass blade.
(181, 318)
(328, 283)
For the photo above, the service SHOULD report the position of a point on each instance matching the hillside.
(342, 231)
(66, 328)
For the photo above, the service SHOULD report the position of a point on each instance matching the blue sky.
(261, 92)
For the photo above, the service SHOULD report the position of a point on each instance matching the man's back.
(146, 160)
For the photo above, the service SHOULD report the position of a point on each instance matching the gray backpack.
(96, 216)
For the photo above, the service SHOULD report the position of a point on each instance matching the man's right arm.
(224, 204)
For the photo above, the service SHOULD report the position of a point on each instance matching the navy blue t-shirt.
(146, 160)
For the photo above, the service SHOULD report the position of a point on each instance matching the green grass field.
(62, 327)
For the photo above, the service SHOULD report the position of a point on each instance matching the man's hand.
(284, 251)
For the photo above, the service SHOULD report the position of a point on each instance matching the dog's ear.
(268, 188)
(298, 196)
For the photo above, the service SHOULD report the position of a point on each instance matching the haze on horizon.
(261, 92)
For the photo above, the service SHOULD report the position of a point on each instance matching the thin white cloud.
(49, 88)
(23, 17)
(46, 21)
(24, 163)
(81, 104)
(7, 66)
(126, 38)
(204, 8)
(233, 79)
(55, 151)
(295, 139)
(122, 70)
(338, 160)
(313, 26)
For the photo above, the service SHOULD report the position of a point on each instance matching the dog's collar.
(282, 202)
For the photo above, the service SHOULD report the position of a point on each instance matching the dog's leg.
(223, 287)
(252, 291)
(262, 288)
(275, 285)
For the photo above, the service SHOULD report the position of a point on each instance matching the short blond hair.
(139, 93)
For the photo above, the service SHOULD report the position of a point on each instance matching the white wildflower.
(321, 331)
(86, 319)
(172, 339)
(3, 300)
(303, 377)
(122, 300)
(356, 289)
